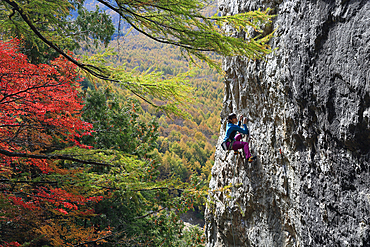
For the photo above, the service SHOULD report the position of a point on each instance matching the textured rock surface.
(311, 99)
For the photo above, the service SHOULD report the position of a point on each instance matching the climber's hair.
(231, 116)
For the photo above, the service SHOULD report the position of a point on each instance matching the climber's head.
(232, 118)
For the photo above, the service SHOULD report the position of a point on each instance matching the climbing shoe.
(252, 158)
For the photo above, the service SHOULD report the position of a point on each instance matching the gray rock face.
(311, 100)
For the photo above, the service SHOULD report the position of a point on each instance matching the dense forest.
(107, 142)
(185, 146)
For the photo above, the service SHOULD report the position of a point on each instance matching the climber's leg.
(238, 137)
(246, 150)
(238, 145)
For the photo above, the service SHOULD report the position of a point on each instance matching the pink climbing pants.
(238, 145)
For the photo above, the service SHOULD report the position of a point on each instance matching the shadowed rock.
(310, 99)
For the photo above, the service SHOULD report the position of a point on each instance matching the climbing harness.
(229, 147)
(226, 147)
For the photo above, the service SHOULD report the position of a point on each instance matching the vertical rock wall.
(311, 100)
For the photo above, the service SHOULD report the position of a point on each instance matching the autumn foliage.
(49, 201)
(40, 113)
(38, 102)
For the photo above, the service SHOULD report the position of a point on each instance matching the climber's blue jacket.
(231, 130)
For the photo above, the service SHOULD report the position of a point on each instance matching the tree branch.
(93, 241)
(146, 215)
(85, 67)
(144, 189)
(25, 91)
(27, 182)
(52, 157)
(183, 45)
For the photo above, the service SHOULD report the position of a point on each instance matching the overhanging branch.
(52, 157)
(87, 67)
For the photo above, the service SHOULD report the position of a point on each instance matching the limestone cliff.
(311, 100)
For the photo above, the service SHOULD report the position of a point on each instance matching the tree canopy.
(179, 23)
(104, 186)
(80, 168)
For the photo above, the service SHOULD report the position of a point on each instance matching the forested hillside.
(185, 146)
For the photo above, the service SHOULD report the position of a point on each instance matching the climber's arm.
(243, 130)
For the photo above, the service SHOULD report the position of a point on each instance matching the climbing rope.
(242, 156)
(237, 153)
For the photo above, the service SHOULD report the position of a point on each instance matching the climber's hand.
(245, 120)
(241, 118)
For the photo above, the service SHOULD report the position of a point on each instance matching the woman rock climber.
(233, 126)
